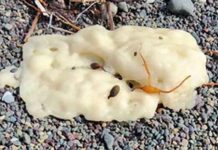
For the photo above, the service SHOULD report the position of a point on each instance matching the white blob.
(49, 85)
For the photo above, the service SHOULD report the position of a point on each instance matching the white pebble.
(150, 1)
(114, 8)
(202, 1)
(8, 97)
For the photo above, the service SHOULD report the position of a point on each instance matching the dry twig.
(47, 13)
(210, 84)
(39, 5)
(43, 2)
(110, 16)
(80, 14)
(56, 28)
(66, 21)
(60, 29)
(30, 5)
(215, 52)
(33, 26)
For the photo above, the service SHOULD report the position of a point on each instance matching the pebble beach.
(191, 129)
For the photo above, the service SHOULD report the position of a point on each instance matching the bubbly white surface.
(50, 86)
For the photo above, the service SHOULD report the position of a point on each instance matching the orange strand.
(154, 90)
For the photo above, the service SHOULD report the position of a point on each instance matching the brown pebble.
(114, 91)
(95, 66)
(118, 76)
(135, 53)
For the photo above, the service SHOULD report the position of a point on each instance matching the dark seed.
(95, 66)
(114, 91)
(135, 53)
(73, 68)
(118, 76)
(132, 84)
(160, 37)
(43, 106)
(53, 49)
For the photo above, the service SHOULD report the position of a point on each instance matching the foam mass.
(56, 77)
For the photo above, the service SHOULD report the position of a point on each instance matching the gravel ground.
(187, 129)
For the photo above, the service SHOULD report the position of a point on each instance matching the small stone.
(114, 8)
(202, 1)
(204, 127)
(108, 139)
(8, 13)
(182, 7)
(104, 125)
(13, 70)
(8, 97)
(123, 6)
(7, 26)
(2, 118)
(143, 14)
(184, 142)
(12, 119)
(19, 132)
(1, 40)
(150, 1)
(27, 139)
(15, 141)
(196, 37)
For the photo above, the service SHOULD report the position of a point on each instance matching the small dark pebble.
(182, 7)
(13, 70)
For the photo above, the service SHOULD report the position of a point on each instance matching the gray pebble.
(143, 14)
(183, 7)
(127, 147)
(15, 141)
(1, 39)
(12, 119)
(108, 139)
(150, 1)
(202, 1)
(196, 37)
(7, 26)
(123, 6)
(27, 139)
(8, 13)
(2, 2)
(13, 70)
(8, 97)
